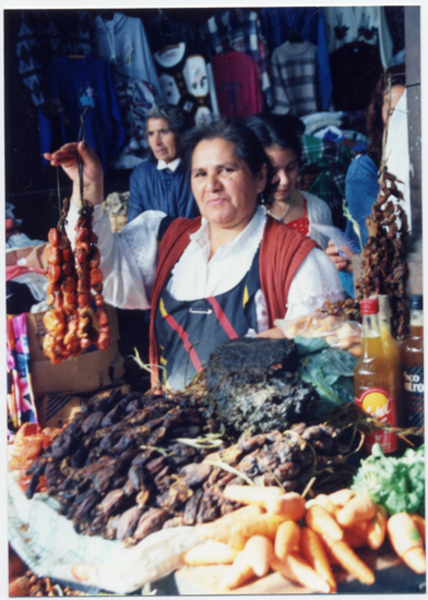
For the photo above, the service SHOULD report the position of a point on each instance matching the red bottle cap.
(369, 306)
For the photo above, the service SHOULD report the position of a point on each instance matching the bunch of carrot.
(303, 540)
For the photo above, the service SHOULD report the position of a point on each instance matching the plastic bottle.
(392, 352)
(412, 357)
(374, 380)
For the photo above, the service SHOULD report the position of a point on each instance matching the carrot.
(287, 537)
(359, 528)
(318, 519)
(324, 501)
(290, 506)
(346, 557)
(360, 508)
(209, 553)
(249, 494)
(237, 574)
(219, 530)
(313, 551)
(341, 497)
(353, 539)
(266, 525)
(419, 521)
(404, 537)
(295, 568)
(259, 552)
(376, 528)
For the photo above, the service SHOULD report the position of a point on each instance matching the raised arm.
(93, 184)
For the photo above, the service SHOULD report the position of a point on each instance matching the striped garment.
(294, 78)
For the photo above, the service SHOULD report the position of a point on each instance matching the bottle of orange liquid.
(392, 352)
(413, 366)
(374, 380)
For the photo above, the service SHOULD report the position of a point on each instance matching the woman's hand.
(66, 157)
(274, 332)
(341, 263)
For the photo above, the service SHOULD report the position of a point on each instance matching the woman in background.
(161, 183)
(298, 209)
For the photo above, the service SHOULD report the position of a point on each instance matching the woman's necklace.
(283, 216)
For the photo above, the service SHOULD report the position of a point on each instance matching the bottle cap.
(369, 306)
(416, 302)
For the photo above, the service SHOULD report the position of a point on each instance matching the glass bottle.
(392, 352)
(412, 357)
(374, 380)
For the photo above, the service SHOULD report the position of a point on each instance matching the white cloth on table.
(129, 260)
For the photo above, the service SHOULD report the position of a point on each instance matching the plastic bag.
(336, 331)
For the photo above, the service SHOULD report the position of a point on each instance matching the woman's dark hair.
(374, 121)
(179, 121)
(247, 145)
(278, 130)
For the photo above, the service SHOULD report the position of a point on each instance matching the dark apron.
(190, 330)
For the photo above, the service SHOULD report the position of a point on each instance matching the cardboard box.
(91, 370)
(34, 256)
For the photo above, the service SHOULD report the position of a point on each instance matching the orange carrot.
(313, 551)
(290, 506)
(347, 558)
(209, 553)
(353, 539)
(259, 552)
(404, 537)
(220, 529)
(359, 528)
(376, 528)
(237, 574)
(295, 568)
(324, 501)
(287, 537)
(318, 519)
(360, 508)
(252, 494)
(266, 525)
(419, 521)
(341, 497)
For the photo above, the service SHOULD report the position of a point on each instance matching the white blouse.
(129, 261)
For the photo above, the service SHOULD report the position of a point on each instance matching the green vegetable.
(398, 484)
(329, 370)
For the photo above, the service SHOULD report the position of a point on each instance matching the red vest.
(282, 251)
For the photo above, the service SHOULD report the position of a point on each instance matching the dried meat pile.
(128, 465)
(384, 268)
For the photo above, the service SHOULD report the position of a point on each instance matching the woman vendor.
(298, 209)
(161, 183)
(226, 274)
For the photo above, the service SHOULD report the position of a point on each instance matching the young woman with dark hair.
(298, 209)
(227, 274)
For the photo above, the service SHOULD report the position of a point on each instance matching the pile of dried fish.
(126, 466)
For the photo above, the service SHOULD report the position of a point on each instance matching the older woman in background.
(161, 183)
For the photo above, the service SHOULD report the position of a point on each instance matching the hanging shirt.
(184, 80)
(294, 77)
(239, 29)
(368, 24)
(84, 88)
(237, 86)
(277, 25)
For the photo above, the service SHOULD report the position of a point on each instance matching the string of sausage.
(70, 322)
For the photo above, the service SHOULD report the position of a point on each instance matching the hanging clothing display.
(239, 29)
(281, 24)
(122, 41)
(184, 80)
(294, 78)
(163, 31)
(236, 83)
(367, 24)
(83, 88)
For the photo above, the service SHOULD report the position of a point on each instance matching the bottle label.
(380, 405)
(414, 395)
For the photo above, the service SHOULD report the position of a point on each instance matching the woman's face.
(388, 107)
(162, 141)
(286, 168)
(223, 185)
